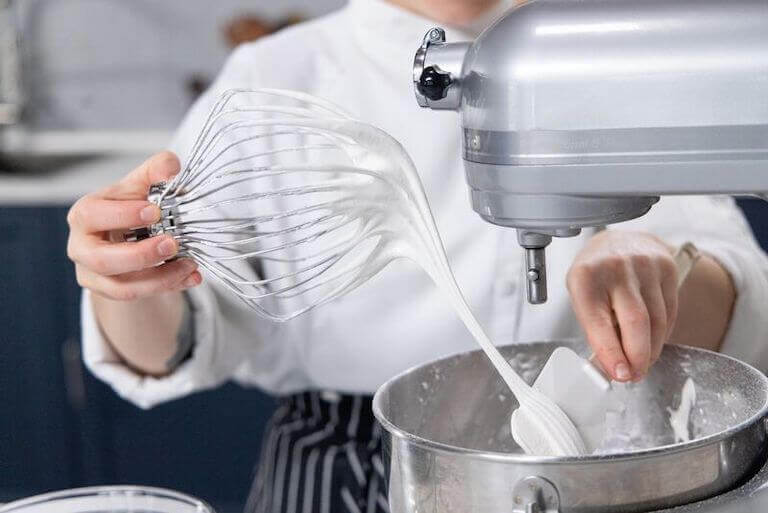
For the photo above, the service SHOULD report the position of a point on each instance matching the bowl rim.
(503, 457)
(201, 505)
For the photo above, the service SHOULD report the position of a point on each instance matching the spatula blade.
(580, 390)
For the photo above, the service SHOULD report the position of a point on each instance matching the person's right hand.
(127, 271)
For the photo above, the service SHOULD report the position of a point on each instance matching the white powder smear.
(680, 417)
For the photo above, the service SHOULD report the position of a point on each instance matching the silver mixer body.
(582, 113)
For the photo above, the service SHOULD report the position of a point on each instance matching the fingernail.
(150, 214)
(188, 265)
(622, 372)
(191, 281)
(167, 247)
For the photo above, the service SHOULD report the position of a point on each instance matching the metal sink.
(24, 152)
(56, 168)
(30, 164)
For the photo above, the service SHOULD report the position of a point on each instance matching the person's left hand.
(623, 288)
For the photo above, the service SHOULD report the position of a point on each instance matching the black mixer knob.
(434, 83)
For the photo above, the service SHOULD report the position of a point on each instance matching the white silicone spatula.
(578, 386)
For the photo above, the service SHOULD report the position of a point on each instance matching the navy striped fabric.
(321, 454)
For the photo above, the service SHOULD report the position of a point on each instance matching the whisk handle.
(137, 235)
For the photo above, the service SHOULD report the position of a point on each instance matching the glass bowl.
(109, 499)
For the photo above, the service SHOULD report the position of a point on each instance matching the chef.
(156, 333)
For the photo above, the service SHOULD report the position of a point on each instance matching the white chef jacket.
(360, 58)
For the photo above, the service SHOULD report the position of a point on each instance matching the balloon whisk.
(289, 202)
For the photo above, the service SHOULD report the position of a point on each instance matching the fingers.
(658, 316)
(634, 328)
(658, 286)
(593, 308)
(171, 277)
(624, 291)
(606, 344)
(123, 205)
(135, 185)
(628, 329)
(119, 270)
(110, 259)
(93, 214)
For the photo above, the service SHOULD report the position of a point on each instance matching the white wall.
(124, 64)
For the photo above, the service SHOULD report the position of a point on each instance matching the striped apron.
(321, 453)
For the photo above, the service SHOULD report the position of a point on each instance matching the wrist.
(707, 300)
(142, 334)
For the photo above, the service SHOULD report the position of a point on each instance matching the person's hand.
(623, 288)
(127, 271)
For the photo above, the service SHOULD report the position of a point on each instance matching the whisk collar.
(168, 215)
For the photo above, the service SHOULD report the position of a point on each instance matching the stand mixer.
(581, 114)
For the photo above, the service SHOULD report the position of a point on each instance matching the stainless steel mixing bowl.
(448, 446)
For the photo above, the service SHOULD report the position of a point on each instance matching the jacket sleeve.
(207, 366)
(717, 226)
(229, 343)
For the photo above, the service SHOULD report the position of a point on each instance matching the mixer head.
(581, 114)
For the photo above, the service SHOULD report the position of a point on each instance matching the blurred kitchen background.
(89, 89)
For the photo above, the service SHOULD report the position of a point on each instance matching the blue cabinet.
(756, 211)
(61, 428)
(38, 435)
